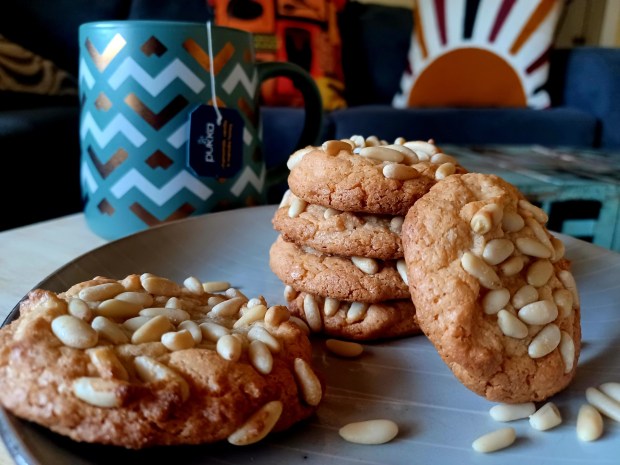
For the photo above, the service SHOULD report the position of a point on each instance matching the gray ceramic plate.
(403, 380)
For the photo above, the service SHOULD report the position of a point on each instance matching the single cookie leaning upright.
(144, 361)
(383, 179)
(492, 289)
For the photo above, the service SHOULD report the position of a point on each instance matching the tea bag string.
(212, 75)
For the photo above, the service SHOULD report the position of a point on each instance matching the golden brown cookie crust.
(334, 276)
(205, 399)
(439, 230)
(341, 233)
(383, 320)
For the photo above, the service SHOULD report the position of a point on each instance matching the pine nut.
(178, 340)
(229, 348)
(261, 334)
(106, 393)
(612, 389)
(329, 212)
(255, 313)
(512, 266)
(532, 247)
(369, 431)
(276, 315)
(396, 224)
(80, 309)
(109, 330)
(540, 233)
(350, 142)
(228, 308)
(331, 306)
(298, 206)
(567, 351)
(132, 324)
(510, 325)
(260, 357)
(495, 300)
(215, 286)
(443, 158)
(537, 212)
(444, 170)
(372, 141)
(512, 221)
(141, 299)
(422, 146)
(152, 330)
(357, 312)
(233, 293)
(74, 332)
(545, 341)
(295, 158)
(150, 370)
(539, 273)
(381, 154)
(175, 315)
(107, 363)
(359, 141)
(310, 385)
(558, 248)
(495, 440)
(193, 329)
(497, 250)
(100, 292)
(289, 293)
(400, 172)
(258, 425)
(603, 403)
(344, 348)
(476, 267)
(486, 218)
(400, 141)
(510, 412)
(313, 313)
(589, 423)
(546, 417)
(401, 267)
(301, 324)
(540, 312)
(334, 147)
(568, 280)
(410, 157)
(194, 285)
(118, 309)
(212, 331)
(367, 265)
(160, 286)
(285, 202)
(523, 296)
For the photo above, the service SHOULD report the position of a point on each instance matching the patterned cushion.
(24, 72)
(473, 53)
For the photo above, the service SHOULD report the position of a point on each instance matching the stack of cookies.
(339, 251)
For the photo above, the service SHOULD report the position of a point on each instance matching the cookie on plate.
(492, 289)
(338, 232)
(358, 321)
(352, 279)
(144, 361)
(353, 175)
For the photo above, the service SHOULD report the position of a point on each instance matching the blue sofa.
(39, 134)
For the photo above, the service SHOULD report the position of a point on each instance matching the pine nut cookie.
(368, 175)
(359, 321)
(339, 233)
(344, 278)
(492, 289)
(144, 361)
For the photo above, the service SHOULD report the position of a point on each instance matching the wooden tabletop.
(31, 253)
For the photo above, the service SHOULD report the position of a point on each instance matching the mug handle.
(313, 106)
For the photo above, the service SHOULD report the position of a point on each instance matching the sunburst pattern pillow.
(479, 53)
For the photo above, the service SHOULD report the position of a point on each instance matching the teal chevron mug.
(169, 122)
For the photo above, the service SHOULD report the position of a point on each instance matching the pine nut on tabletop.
(510, 412)
(495, 440)
(546, 417)
(589, 423)
(344, 348)
(377, 431)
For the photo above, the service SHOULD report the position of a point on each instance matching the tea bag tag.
(215, 150)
